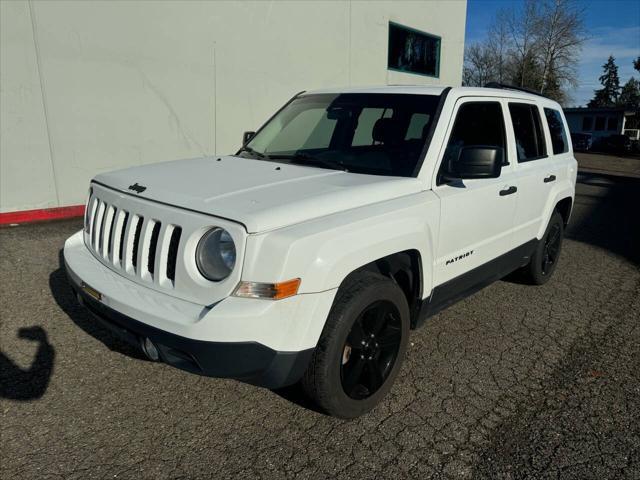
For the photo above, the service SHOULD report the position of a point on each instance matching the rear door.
(534, 165)
(477, 215)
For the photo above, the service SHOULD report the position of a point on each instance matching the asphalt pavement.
(513, 382)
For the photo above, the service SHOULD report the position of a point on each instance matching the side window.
(556, 128)
(366, 121)
(417, 124)
(530, 144)
(477, 123)
(587, 124)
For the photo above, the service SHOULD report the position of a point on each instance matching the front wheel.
(361, 347)
(545, 257)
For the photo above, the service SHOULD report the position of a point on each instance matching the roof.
(403, 89)
(435, 90)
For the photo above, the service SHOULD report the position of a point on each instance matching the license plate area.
(91, 291)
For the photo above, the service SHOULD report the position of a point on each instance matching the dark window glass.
(378, 134)
(530, 143)
(556, 128)
(477, 123)
(413, 51)
(613, 124)
(600, 123)
(587, 123)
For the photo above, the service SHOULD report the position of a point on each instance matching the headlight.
(216, 254)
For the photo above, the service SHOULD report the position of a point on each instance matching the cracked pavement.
(513, 382)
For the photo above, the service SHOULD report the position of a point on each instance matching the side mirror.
(246, 136)
(476, 161)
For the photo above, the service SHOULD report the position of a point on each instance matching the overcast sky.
(613, 27)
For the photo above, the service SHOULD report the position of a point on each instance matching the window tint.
(477, 123)
(530, 144)
(556, 128)
(613, 124)
(587, 123)
(600, 123)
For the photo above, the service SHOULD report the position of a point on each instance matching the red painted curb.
(29, 216)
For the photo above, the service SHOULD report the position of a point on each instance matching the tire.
(545, 257)
(341, 377)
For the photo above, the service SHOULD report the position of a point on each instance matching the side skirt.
(469, 283)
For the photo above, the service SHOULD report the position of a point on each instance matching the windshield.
(380, 134)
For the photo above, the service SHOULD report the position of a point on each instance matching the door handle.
(508, 191)
(550, 178)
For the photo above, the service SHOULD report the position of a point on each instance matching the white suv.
(349, 218)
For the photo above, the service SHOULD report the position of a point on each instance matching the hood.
(259, 194)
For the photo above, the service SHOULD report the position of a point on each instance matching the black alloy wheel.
(544, 258)
(371, 349)
(551, 248)
(361, 348)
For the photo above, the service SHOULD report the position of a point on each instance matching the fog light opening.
(149, 349)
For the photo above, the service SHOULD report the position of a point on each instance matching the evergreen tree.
(607, 96)
(630, 95)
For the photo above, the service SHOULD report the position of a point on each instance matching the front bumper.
(261, 342)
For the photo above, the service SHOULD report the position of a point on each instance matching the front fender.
(322, 252)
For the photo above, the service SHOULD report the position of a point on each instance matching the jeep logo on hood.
(137, 188)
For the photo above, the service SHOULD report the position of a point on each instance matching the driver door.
(476, 216)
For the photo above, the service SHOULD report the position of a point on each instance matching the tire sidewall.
(536, 265)
(347, 313)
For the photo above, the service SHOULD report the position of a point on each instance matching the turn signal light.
(271, 291)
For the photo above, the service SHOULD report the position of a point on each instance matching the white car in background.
(348, 219)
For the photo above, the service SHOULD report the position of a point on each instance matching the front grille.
(142, 247)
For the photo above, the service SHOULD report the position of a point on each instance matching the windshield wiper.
(302, 158)
(253, 152)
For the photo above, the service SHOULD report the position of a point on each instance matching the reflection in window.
(556, 128)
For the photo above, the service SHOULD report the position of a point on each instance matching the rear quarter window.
(557, 131)
(527, 128)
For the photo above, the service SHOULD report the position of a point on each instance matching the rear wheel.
(545, 257)
(361, 347)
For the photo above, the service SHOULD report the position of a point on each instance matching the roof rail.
(513, 87)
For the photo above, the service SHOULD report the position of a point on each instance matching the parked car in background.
(619, 144)
(581, 141)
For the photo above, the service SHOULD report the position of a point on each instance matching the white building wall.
(94, 86)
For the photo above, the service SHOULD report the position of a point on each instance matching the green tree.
(630, 95)
(607, 96)
(636, 64)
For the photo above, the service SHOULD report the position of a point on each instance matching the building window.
(600, 123)
(587, 124)
(613, 124)
(413, 51)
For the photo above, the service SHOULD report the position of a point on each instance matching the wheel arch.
(405, 268)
